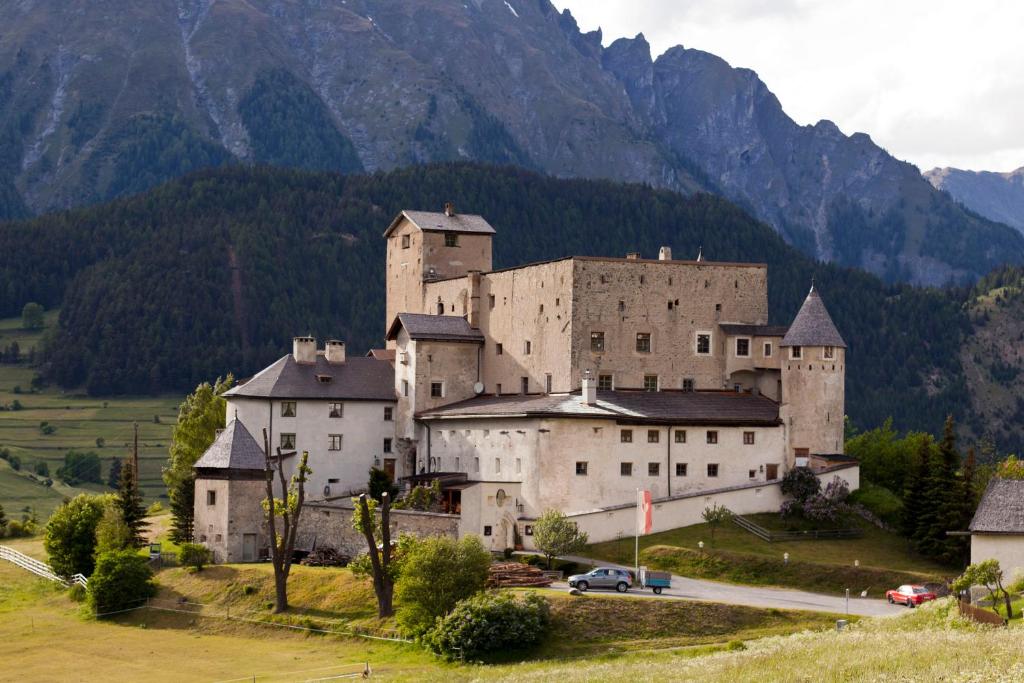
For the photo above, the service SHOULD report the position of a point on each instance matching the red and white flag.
(643, 512)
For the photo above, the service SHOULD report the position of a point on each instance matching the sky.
(937, 83)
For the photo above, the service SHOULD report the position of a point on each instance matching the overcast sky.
(937, 83)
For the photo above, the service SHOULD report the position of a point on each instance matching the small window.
(748, 438)
(643, 342)
(497, 465)
(622, 305)
(497, 389)
(650, 382)
(451, 239)
(405, 241)
(547, 383)
(703, 344)
(581, 468)
(440, 308)
(335, 442)
(626, 469)
(437, 389)
(767, 349)
(387, 445)
(389, 414)
(626, 436)
(653, 469)
(211, 497)
(337, 410)
(680, 436)
(527, 348)
(795, 352)
(597, 341)
(743, 348)
(680, 469)
(476, 464)
(519, 465)
(687, 384)
(528, 530)
(490, 301)
(712, 469)
(541, 309)
(498, 349)
(828, 353)
(712, 436)
(604, 382)
(752, 474)
(287, 408)
(405, 387)
(287, 442)
(524, 385)
(487, 530)
(653, 436)
(324, 379)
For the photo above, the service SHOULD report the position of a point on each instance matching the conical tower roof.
(234, 449)
(813, 325)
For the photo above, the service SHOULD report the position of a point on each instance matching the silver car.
(603, 577)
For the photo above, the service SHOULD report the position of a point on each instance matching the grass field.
(79, 420)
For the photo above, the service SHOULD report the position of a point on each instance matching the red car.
(910, 595)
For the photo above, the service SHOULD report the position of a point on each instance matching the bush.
(194, 555)
(154, 509)
(122, 580)
(71, 535)
(435, 574)
(112, 533)
(41, 468)
(77, 592)
(490, 622)
(16, 529)
(380, 482)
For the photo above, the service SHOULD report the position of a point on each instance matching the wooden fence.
(38, 568)
(810, 535)
(982, 616)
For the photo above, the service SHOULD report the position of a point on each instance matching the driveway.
(684, 588)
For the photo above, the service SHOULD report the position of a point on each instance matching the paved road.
(755, 596)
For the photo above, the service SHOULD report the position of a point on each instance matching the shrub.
(194, 555)
(435, 574)
(41, 468)
(71, 535)
(490, 622)
(111, 532)
(16, 529)
(155, 509)
(380, 481)
(555, 535)
(77, 592)
(122, 580)
(800, 483)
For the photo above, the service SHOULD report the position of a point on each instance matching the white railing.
(36, 567)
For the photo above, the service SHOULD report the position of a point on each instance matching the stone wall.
(330, 525)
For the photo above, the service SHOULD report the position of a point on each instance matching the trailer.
(655, 580)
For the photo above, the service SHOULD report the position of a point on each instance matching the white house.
(997, 530)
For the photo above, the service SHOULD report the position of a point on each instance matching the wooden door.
(771, 472)
(248, 547)
(389, 467)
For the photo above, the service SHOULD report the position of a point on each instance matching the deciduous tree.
(71, 535)
(990, 575)
(365, 521)
(555, 535)
(289, 509)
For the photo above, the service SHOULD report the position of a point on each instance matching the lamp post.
(700, 544)
(785, 558)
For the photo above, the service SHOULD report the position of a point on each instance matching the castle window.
(440, 308)
(581, 468)
(497, 465)
(653, 436)
(752, 474)
(712, 436)
(405, 241)
(767, 349)
(490, 301)
(650, 382)
(626, 436)
(748, 438)
(437, 389)
(389, 413)
(626, 469)
(597, 341)
(487, 530)
(497, 389)
(541, 308)
(476, 463)
(703, 343)
(405, 387)
(547, 383)
(742, 348)
(519, 465)
(622, 305)
(680, 436)
(287, 442)
(680, 469)
(387, 445)
(670, 305)
(687, 384)
(653, 469)
(211, 497)
(527, 348)
(337, 410)
(528, 530)
(712, 469)
(524, 385)
(288, 408)
(643, 342)
(795, 352)
(498, 349)
(334, 442)
(828, 353)
(604, 382)
(451, 239)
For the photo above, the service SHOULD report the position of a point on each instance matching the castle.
(565, 384)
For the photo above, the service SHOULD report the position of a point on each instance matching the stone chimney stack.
(665, 254)
(304, 349)
(474, 300)
(334, 351)
(633, 255)
(449, 209)
(589, 393)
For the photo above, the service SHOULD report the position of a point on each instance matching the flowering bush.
(810, 502)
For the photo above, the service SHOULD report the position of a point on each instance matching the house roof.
(234, 449)
(428, 221)
(651, 407)
(754, 330)
(812, 325)
(382, 354)
(1001, 510)
(359, 378)
(420, 326)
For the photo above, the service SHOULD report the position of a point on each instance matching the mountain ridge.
(994, 195)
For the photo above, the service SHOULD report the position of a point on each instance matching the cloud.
(935, 83)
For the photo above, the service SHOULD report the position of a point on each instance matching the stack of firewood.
(516, 575)
(325, 557)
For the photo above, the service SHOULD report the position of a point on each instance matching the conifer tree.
(942, 499)
(114, 474)
(129, 502)
(914, 491)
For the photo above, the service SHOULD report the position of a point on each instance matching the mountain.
(103, 99)
(996, 196)
(217, 271)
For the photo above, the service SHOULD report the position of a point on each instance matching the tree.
(114, 473)
(990, 575)
(71, 535)
(914, 501)
(78, 467)
(289, 508)
(715, 515)
(3, 522)
(942, 497)
(111, 532)
(490, 622)
(364, 520)
(200, 415)
(380, 482)
(122, 580)
(129, 502)
(555, 535)
(32, 316)
(1011, 468)
(436, 574)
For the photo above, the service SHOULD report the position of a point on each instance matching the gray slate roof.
(754, 330)
(650, 407)
(435, 328)
(813, 325)
(234, 449)
(428, 221)
(1001, 510)
(359, 378)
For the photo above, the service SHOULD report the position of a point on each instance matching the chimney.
(633, 255)
(474, 299)
(665, 254)
(334, 351)
(304, 349)
(449, 209)
(589, 393)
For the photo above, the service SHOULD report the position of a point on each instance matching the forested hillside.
(217, 271)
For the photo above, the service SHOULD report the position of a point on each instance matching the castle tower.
(813, 383)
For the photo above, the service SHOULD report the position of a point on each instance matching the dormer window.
(451, 239)
(323, 379)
